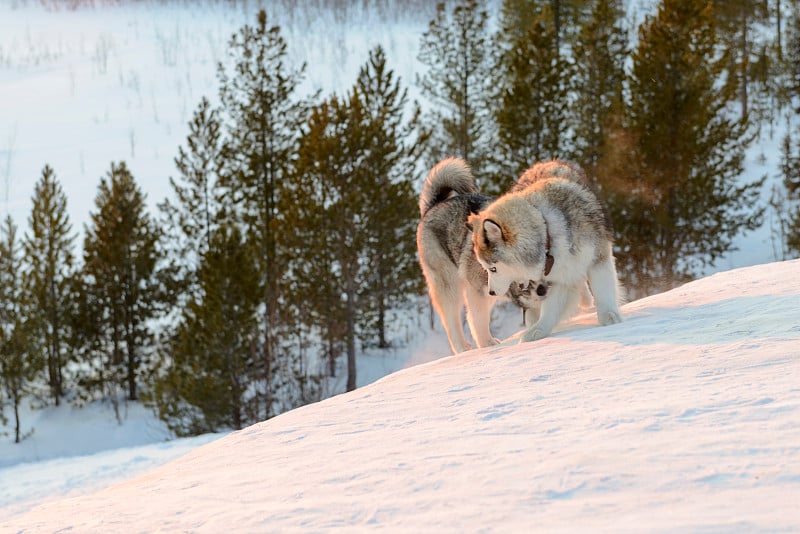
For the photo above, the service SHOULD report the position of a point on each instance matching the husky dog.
(454, 277)
(547, 236)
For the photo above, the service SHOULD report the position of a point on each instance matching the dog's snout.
(541, 290)
(492, 293)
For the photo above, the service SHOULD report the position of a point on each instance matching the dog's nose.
(492, 293)
(541, 290)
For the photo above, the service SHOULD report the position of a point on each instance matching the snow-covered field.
(683, 418)
(686, 417)
(82, 88)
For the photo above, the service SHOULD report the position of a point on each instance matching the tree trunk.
(745, 62)
(331, 357)
(382, 343)
(16, 419)
(351, 333)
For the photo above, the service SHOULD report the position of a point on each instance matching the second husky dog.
(549, 234)
(453, 275)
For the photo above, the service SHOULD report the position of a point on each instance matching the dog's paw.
(609, 317)
(489, 342)
(533, 334)
(462, 348)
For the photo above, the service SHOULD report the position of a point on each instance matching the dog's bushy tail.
(451, 175)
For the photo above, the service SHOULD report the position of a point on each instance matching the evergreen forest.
(289, 238)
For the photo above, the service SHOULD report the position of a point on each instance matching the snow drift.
(684, 417)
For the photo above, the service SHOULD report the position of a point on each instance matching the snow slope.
(685, 417)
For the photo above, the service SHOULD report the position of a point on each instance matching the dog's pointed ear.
(492, 231)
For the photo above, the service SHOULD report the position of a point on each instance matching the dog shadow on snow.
(730, 320)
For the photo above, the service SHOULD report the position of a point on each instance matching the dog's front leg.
(479, 317)
(559, 298)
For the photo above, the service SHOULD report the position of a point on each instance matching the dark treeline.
(290, 235)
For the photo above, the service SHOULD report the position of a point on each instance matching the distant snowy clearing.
(686, 417)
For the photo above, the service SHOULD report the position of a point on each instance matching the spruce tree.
(601, 49)
(787, 204)
(193, 214)
(681, 202)
(789, 212)
(792, 61)
(390, 208)
(532, 112)
(122, 294)
(749, 65)
(209, 380)
(49, 263)
(263, 118)
(456, 51)
(19, 364)
(518, 16)
(332, 187)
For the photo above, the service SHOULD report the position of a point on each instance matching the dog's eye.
(492, 269)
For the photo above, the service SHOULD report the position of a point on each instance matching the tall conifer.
(601, 49)
(49, 260)
(208, 383)
(333, 187)
(192, 215)
(390, 208)
(263, 118)
(120, 259)
(19, 363)
(681, 203)
(456, 51)
(532, 112)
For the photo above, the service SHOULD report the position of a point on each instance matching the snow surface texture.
(685, 417)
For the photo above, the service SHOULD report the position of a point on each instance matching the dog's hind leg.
(479, 317)
(603, 278)
(448, 302)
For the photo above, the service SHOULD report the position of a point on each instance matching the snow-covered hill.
(685, 417)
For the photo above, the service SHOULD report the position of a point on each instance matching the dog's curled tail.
(449, 176)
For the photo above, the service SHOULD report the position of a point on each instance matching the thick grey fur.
(454, 277)
(510, 237)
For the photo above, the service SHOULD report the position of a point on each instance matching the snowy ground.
(685, 417)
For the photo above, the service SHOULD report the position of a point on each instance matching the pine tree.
(749, 66)
(599, 77)
(263, 120)
(787, 202)
(517, 17)
(120, 258)
(532, 115)
(455, 49)
(680, 204)
(193, 215)
(49, 258)
(331, 193)
(19, 364)
(209, 380)
(390, 209)
(786, 198)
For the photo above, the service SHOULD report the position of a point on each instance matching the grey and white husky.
(548, 235)
(454, 276)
